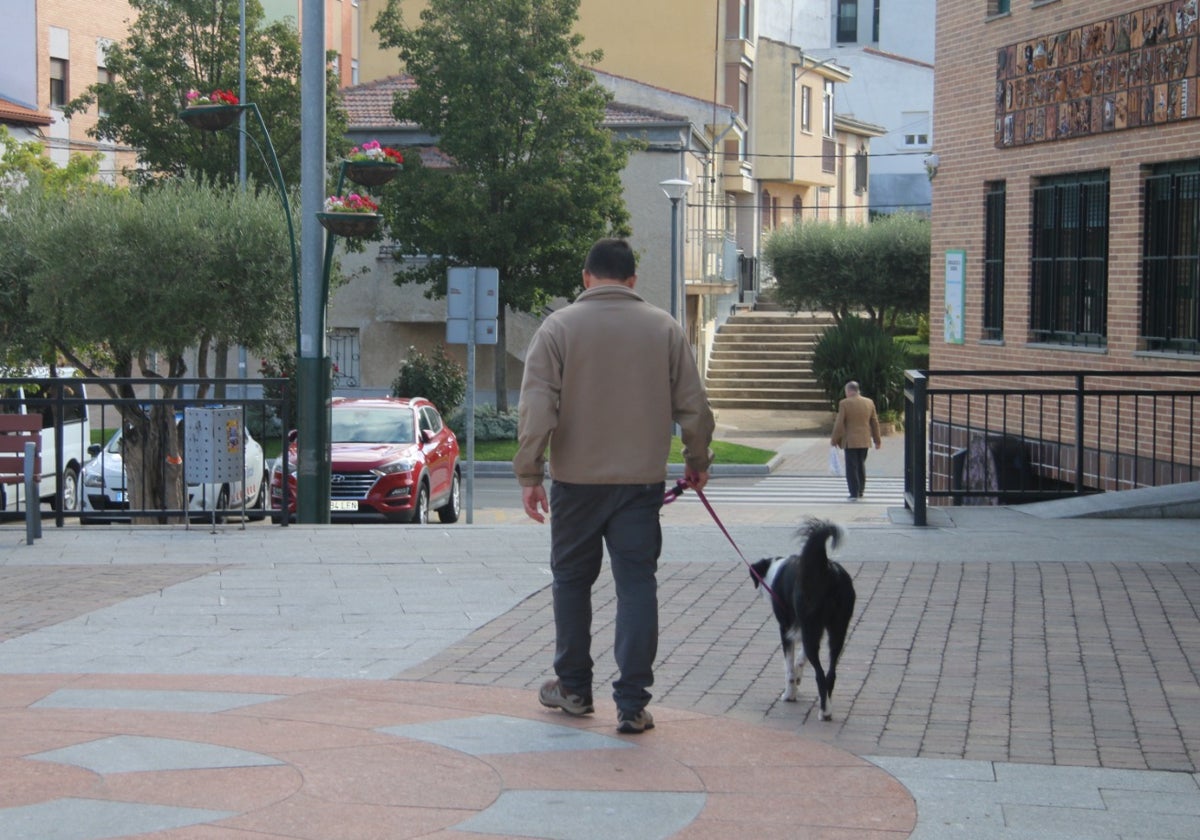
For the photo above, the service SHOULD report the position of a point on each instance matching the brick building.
(1066, 220)
(72, 38)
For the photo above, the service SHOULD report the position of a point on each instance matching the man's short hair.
(611, 259)
(852, 386)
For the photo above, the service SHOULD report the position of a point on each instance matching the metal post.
(242, 93)
(312, 365)
(470, 408)
(675, 258)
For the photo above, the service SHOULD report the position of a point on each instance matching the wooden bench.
(20, 437)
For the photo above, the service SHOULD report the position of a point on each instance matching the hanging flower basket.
(210, 117)
(350, 225)
(371, 173)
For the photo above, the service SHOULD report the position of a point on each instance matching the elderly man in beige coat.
(856, 426)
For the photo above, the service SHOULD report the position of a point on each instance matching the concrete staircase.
(762, 359)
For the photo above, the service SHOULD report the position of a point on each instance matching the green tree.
(114, 276)
(22, 161)
(177, 45)
(535, 178)
(880, 270)
(27, 177)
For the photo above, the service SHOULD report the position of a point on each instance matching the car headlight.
(402, 466)
(93, 479)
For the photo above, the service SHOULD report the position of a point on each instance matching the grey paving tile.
(92, 819)
(579, 815)
(499, 734)
(136, 754)
(151, 701)
(1051, 823)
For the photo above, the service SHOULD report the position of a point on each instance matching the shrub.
(859, 350)
(490, 424)
(916, 351)
(436, 377)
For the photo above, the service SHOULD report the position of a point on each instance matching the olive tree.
(112, 277)
(880, 270)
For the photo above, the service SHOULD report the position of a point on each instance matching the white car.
(103, 486)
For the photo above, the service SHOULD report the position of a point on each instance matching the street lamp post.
(675, 189)
(220, 117)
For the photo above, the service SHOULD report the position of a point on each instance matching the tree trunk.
(220, 369)
(152, 453)
(202, 366)
(500, 366)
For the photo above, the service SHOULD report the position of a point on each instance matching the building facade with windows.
(776, 146)
(50, 51)
(887, 47)
(342, 33)
(1066, 193)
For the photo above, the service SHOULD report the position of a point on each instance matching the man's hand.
(695, 480)
(535, 502)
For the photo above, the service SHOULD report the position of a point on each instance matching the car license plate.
(342, 504)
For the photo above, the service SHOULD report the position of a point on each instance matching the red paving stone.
(341, 779)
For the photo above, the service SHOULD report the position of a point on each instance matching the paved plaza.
(1008, 674)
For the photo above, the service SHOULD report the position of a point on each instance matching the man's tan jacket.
(856, 425)
(605, 379)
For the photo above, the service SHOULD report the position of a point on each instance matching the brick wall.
(964, 139)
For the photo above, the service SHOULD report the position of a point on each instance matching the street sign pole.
(472, 309)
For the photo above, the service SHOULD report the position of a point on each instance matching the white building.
(888, 47)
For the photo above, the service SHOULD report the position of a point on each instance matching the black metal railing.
(83, 417)
(1008, 437)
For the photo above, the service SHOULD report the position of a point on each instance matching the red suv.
(389, 456)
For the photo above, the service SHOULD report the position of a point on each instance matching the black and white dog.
(811, 596)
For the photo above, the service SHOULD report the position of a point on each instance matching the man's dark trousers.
(856, 472)
(625, 517)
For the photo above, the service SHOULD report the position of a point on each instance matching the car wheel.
(420, 514)
(450, 511)
(70, 490)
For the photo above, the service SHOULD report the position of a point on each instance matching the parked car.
(104, 485)
(36, 395)
(389, 456)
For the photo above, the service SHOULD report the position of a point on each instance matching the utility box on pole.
(214, 445)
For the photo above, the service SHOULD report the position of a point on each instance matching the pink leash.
(678, 490)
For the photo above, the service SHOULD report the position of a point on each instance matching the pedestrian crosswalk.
(804, 490)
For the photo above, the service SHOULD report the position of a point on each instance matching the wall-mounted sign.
(956, 270)
(1127, 71)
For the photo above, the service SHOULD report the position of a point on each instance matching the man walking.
(855, 427)
(605, 379)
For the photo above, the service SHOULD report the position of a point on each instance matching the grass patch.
(725, 452)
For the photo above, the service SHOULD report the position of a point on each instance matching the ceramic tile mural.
(1130, 70)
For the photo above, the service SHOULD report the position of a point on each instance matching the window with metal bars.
(1170, 318)
(1069, 287)
(995, 195)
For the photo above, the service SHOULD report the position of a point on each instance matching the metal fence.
(1007, 437)
(107, 441)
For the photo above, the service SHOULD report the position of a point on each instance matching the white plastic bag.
(835, 461)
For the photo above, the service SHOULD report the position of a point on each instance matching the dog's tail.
(819, 532)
